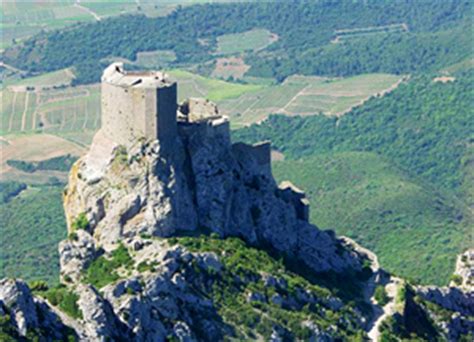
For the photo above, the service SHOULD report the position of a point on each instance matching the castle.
(143, 104)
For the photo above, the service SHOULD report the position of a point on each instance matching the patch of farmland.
(155, 59)
(69, 109)
(307, 95)
(192, 85)
(253, 40)
(234, 67)
(346, 34)
(22, 19)
(52, 79)
(35, 147)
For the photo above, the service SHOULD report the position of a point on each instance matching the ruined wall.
(117, 113)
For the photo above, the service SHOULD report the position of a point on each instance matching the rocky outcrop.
(23, 315)
(205, 184)
(464, 272)
(169, 292)
(450, 298)
(450, 309)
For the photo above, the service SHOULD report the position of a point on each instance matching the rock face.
(465, 271)
(205, 184)
(21, 313)
(451, 310)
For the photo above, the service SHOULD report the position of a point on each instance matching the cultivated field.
(62, 110)
(21, 19)
(234, 67)
(304, 95)
(192, 85)
(348, 34)
(253, 40)
(34, 147)
(47, 80)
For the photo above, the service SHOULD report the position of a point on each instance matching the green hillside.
(414, 229)
(32, 225)
(394, 173)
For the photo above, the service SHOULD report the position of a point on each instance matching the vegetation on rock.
(103, 271)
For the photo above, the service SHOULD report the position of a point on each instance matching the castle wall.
(117, 113)
(166, 104)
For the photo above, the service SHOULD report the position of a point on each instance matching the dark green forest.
(437, 35)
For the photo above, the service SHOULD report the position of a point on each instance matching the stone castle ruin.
(157, 167)
(143, 104)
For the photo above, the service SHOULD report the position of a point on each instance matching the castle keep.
(137, 104)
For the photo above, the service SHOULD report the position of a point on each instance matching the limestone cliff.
(205, 184)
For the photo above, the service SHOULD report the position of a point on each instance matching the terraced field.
(53, 111)
(21, 19)
(348, 34)
(253, 40)
(304, 95)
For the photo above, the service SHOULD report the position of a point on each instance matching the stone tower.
(138, 104)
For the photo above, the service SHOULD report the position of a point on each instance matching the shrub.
(81, 222)
(38, 285)
(102, 271)
(456, 279)
(65, 300)
(381, 295)
(401, 294)
(72, 236)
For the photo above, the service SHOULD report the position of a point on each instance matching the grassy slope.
(412, 227)
(214, 90)
(32, 225)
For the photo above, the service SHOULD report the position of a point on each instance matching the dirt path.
(12, 68)
(23, 117)
(86, 114)
(380, 93)
(88, 10)
(388, 310)
(38, 103)
(378, 278)
(301, 92)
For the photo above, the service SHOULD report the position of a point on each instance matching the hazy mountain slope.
(431, 35)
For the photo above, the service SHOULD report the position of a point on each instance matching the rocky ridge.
(199, 243)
